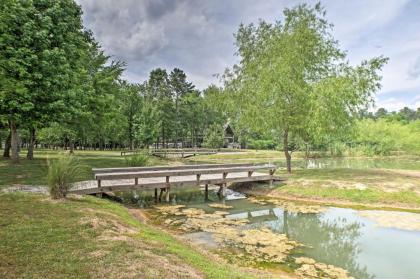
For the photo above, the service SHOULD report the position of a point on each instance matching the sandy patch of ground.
(219, 205)
(140, 262)
(39, 189)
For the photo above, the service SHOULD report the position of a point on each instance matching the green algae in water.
(338, 237)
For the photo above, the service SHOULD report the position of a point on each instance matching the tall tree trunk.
(286, 150)
(30, 155)
(14, 142)
(7, 145)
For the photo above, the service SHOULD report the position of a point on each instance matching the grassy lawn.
(84, 237)
(242, 156)
(34, 172)
(395, 188)
(87, 237)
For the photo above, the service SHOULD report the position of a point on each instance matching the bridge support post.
(161, 193)
(99, 195)
(222, 190)
(270, 182)
(167, 194)
(156, 195)
(206, 192)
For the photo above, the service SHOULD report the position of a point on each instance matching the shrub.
(338, 149)
(214, 137)
(62, 172)
(262, 144)
(137, 160)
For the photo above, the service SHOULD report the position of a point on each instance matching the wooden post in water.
(167, 194)
(156, 195)
(161, 193)
(167, 189)
(270, 182)
(206, 192)
(222, 190)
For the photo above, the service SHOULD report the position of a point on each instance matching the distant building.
(230, 141)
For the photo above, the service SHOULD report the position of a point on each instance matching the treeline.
(375, 133)
(164, 111)
(58, 89)
(383, 132)
(293, 89)
(403, 115)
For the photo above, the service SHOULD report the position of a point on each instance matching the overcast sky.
(197, 36)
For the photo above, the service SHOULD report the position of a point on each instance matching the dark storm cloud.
(196, 36)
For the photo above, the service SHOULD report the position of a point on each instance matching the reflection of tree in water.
(330, 241)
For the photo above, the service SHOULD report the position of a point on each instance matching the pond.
(308, 240)
(392, 162)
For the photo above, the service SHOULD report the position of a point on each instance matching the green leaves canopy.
(41, 46)
(293, 78)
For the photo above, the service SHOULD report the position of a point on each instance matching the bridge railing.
(156, 168)
(168, 172)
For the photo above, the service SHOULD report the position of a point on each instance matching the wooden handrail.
(157, 168)
(183, 172)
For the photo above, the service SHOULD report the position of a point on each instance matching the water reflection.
(337, 236)
(409, 163)
(331, 241)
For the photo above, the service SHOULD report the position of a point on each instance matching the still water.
(338, 236)
(392, 162)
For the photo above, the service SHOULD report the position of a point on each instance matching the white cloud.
(391, 104)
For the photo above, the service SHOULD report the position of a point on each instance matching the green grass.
(368, 196)
(34, 172)
(41, 238)
(393, 187)
(242, 156)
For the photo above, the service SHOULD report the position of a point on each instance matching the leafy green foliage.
(42, 50)
(262, 144)
(294, 81)
(382, 136)
(214, 137)
(137, 160)
(61, 173)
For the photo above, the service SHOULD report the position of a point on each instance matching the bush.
(214, 137)
(262, 144)
(62, 172)
(382, 136)
(137, 160)
(338, 149)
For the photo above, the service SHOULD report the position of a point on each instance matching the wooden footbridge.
(182, 153)
(172, 153)
(167, 177)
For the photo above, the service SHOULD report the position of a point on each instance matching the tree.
(179, 87)
(94, 98)
(214, 137)
(407, 114)
(158, 92)
(131, 106)
(381, 112)
(41, 42)
(293, 80)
